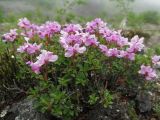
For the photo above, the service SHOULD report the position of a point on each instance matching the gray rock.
(117, 111)
(144, 101)
(24, 110)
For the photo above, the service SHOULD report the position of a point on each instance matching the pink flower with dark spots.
(74, 39)
(127, 55)
(48, 29)
(122, 42)
(34, 66)
(72, 28)
(24, 23)
(47, 56)
(105, 32)
(71, 51)
(11, 36)
(114, 37)
(44, 58)
(113, 52)
(53, 27)
(31, 32)
(103, 49)
(90, 40)
(155, 59)
(72, 43)
(70, 39)
(148, 72)
(95, 25)
(29, 48)
(136, 44)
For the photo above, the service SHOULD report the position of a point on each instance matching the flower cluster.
(29, 48)
(113, 37)
(24, 23)
(71, 40)
(72, 28)
(11, 36)
(44, 58)
(48, 29)
(28, 29)
(136, 44)
(43, 31)
(76, 39)
(148, 72)
(156, 60)
(90, 40)
(95, 25)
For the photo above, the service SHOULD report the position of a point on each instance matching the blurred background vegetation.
(136, 12)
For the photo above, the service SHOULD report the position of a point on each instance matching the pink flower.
(148, 72)
(53, 27)
(47, 56)
(34, 66)
(155, 59)
(122, 42)
(136, 44)
(71, 51)
(29, 48)
(48, 29)
(95, 25)
(43, 32)
(72, 28)
(105, 32)
(90, 40)
(43, 58)
(11, 36)
(127, 55)
(24, 23)
(74, 39)
(104, 49)
(70, 39)
(72, 43)
(113, 52)
(114, 37)
(31, 32)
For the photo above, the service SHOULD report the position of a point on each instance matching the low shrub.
(80, 66)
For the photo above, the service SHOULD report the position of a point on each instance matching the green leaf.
(63, 82)
(93, 98)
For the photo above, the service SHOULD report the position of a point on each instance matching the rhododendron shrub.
(81, 65)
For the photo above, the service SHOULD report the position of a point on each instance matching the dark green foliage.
(15, 76)
(87, 80)
(51, 99)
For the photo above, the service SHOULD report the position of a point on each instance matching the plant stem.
(45, 73)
